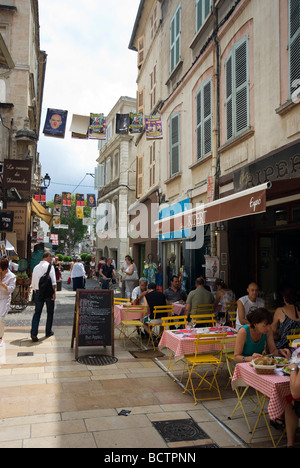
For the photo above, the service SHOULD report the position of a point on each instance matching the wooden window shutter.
(140, 100)
(141, 51)
(294, 44)
(174, 145)
(139, 176)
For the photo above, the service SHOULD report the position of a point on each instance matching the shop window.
(296, 215)
(281, 217)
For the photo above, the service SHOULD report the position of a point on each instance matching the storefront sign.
(6, 221)
(280, 166)
(249, 202)
(17, 174)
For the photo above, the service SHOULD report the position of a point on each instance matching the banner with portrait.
(55, 124)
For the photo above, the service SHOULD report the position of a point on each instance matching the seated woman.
(286, 318)
(253, 338)
(292, 410)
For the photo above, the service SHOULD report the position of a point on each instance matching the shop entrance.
(279, 263)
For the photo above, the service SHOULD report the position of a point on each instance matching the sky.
(89, 67)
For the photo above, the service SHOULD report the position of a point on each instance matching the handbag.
(69, 280)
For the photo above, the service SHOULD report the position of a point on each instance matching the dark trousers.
(39, 304)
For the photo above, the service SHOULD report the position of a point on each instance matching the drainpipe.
(216, 121)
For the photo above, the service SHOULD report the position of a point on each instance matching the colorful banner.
(97, 127)
(55, 124)
(122, 124)
(79, 212)
(40, 196)
(136, 122)
(91, 200)
(80, 199)
(153, 127)
(66, 199)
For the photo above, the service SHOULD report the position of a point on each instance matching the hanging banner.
(2, 249)
(122, 124)
(91, 200)
(66, 199)
(97, 127)
(40, 196)
(79, 126)
(153, 127)
(79, 212)
(55, 124)
(80, 199)
(57, 199)
(135, 123)
(65, 211)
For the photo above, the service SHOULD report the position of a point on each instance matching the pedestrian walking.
(43, 273)
(78, 275)
(7, 287)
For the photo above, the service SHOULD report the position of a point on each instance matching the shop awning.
(41, 212)
(245, 203)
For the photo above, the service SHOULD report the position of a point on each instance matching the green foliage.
(73, 222)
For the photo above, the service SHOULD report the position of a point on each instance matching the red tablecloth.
(181, 345)
(276, 387)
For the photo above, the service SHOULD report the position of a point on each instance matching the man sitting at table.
(174, 293)
(137, 295)
(153, 298)
(198, 297)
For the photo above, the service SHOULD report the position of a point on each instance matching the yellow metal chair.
(204, 309)
(231, 312)
(294, 339)
(204, 319)
(167, 322)
(176, 320)
(158, 313)
(120, 301)
(129, 326)
(208, 362)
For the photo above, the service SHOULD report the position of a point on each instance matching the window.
(141, 51)
(237, 89)
(203, 9)
(152, 164)
(174, 145)
(175, 39)
(204, 119)
(294, 44)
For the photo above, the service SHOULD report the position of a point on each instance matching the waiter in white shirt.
(38, 272)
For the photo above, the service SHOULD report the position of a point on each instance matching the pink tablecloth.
(276, 387)
(120, 314)
(182, 345)
(179, 309)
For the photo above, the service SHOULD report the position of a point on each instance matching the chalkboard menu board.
(93, 321)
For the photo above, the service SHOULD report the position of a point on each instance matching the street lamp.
(46, 181)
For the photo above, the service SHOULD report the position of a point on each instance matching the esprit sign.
(248, 203)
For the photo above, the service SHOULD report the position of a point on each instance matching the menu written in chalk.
(94, 318)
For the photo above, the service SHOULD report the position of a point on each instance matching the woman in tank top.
(286, 318)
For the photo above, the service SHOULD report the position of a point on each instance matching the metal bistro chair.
(158, 313)
(230, 313)
(204, 319)
(167, 322)
(130, 326)
(294, 338)
(120, 301)
(208, 362)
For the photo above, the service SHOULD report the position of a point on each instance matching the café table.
(120, 314)
(182, 342)
(273, 388)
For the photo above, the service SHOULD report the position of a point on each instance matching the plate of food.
(281, 361)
